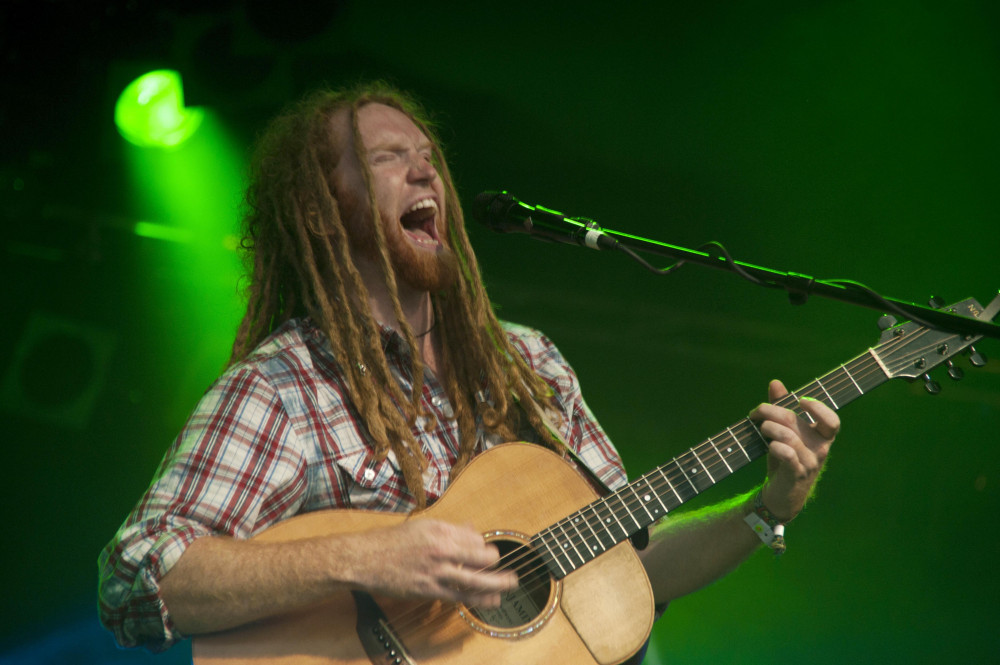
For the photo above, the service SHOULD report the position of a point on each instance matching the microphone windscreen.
(490, 208)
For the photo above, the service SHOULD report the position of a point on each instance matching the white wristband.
(761, 528)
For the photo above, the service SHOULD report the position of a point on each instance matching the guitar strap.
(640, 539)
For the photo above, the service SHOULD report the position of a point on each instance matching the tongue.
(416, 218)
(420, 234)
(414, 222)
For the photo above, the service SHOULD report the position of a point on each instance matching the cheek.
(385, 190)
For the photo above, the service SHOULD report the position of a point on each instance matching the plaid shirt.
(275, 436)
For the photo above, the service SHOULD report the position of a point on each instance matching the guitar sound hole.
(524, 604)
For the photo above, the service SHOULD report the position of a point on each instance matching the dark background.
(839, 139)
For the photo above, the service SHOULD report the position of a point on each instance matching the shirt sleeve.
(233, 470)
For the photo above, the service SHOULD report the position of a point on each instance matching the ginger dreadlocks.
(299, 263)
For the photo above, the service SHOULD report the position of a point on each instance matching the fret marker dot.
(645, 497)
(729, 449)
(694, 470)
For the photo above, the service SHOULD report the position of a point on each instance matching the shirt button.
(369, 474)
(436, 401)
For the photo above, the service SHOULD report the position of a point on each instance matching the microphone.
(505, 214)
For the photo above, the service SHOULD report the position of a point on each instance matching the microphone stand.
(800, 287)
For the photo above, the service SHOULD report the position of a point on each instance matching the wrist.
(766, 525)
(766, 498)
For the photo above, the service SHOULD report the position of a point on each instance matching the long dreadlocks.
(299, 260)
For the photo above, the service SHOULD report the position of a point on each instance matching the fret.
(691, 473)
(593, 520)
(574, 521)
(597, 538)
(680, 467)
(738, 443)
(568, 545)
(695, 453)
(643, 500)
(624, 504)
(814, 391)
(557, 552)
(670, 485)
(753, 425)
(833, 402)
(721, 456)
(851, 377)
(610, 522)
(652, 491)
(596, 524)
(548, 555)
(802, 414)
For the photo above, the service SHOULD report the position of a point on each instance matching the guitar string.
(723, 469)
(746, 429)
(523, 554)
(835, 385)
(529, 553)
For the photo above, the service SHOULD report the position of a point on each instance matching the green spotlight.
(150, 111)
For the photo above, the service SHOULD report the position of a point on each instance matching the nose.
(421, 169)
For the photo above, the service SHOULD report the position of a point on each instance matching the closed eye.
(383, 156)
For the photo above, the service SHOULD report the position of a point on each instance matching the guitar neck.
(588, 533)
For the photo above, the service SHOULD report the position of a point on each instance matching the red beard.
(420, 269)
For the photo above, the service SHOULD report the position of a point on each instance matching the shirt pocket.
(371, 484)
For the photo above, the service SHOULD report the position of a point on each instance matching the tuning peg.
(930, 385)
(955, 373)
(886, 321)
(936, 302)
(976, 358)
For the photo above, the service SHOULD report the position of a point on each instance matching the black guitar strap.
(640, 539)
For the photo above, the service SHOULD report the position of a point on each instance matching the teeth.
(423, 203)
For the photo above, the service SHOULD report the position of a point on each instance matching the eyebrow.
(396, 143)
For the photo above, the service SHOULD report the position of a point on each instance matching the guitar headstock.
(910, 350)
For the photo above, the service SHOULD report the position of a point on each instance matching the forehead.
(380, 125)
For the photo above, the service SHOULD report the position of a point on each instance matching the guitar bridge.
(379, 640)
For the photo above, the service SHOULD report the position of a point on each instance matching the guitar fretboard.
(588, 533)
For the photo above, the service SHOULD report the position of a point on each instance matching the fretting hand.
(798, 450)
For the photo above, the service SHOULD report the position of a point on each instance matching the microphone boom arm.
(800, 286)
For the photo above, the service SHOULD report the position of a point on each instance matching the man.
(368, 370)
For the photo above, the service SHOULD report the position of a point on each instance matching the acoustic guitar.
(583, 596)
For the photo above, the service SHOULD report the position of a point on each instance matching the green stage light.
(150, 112)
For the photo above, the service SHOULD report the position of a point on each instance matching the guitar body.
(600, 613)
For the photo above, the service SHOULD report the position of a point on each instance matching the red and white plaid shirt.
(275, 436)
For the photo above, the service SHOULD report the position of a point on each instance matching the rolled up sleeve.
(234, 469)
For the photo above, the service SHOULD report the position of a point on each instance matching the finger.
(776, 390)
(475, 564)
(791, 439)
(793, 463)
(819, 418)
(826, 422)
(476, 556)
(817, 411)
(771, 413)
(484, 588)
(486, 581)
